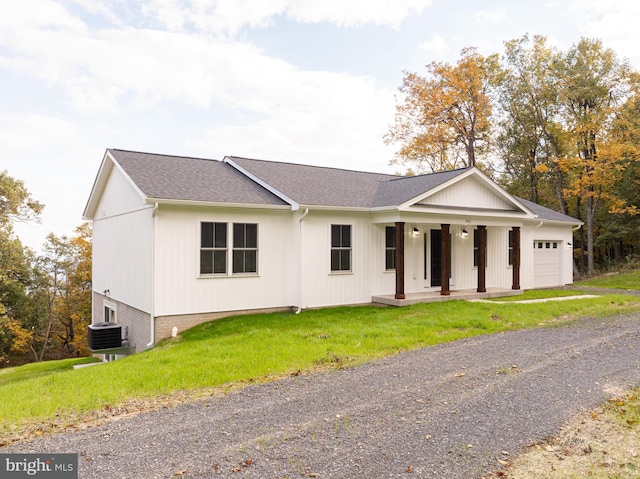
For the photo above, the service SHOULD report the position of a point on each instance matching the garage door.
(546, 263)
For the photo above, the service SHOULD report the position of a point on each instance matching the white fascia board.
(98, 186)
(457, 212)
(555, 222)
(336, 208)
(209, 204)
(294, 204)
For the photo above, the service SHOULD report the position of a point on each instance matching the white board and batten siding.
(182, 290)
(321, 286)
(468, 193)
(122, 239)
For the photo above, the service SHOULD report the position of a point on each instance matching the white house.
(178, 241)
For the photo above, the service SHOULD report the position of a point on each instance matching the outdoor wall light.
(465, 233)
(416, 231)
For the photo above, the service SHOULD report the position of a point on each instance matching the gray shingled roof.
(196, 179)
(316, 185)
(191, 179)
(545, 213)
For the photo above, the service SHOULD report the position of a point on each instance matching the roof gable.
(182, 179)
(470, 192)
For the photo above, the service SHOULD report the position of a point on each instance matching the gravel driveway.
(444, 411)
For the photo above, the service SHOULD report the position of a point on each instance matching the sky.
(304, 81)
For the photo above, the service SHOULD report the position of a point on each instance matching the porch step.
(435, 296)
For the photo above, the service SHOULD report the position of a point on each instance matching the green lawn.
(540, 294)
(627, 280)
(33, 370)
(262, 347)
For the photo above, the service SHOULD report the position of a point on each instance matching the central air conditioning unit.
(104, 336)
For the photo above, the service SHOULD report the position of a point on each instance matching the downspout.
(300, 269)
(576, 228)
(153, 275)
(539, 224)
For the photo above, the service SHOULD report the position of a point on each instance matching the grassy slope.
(628, 280)
(259, 347)
(34, 370)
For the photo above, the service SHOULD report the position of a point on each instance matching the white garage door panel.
(546, 268)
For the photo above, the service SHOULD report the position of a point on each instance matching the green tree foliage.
(45, 299)
(530, 135)
(561, 128)
(16, 309)
(594, 86)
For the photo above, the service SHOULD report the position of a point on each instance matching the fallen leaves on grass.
(598, 444)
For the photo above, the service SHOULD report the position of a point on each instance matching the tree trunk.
(591, 213)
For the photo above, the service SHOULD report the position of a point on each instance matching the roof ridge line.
(315, 166)
(164, 154)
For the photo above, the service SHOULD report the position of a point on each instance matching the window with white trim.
(390, 248)
(245, 248)
(340, 247)
(213, 248)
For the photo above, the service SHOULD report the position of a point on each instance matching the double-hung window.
(340, 247)
(390, 248)
(245, 248)
(213, 248)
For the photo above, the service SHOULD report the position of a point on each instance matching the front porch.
(435, 296)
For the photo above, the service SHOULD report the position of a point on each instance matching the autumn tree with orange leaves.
(442, 121)
(557, 127)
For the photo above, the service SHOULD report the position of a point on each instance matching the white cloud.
(378, 12)
(615, 23)
(437, 46)
(493, 16)
(55, 158)
(331, 119)
(229, 16)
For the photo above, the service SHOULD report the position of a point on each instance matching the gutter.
(300, 269)
(153, 275)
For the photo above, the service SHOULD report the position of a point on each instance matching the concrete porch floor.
(435, 296)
